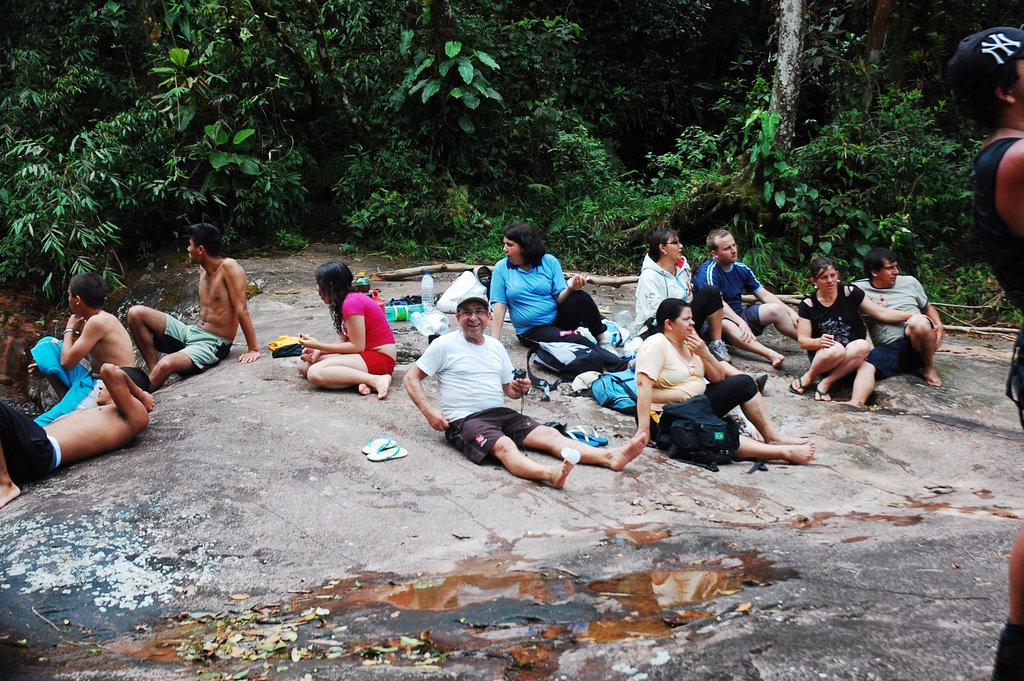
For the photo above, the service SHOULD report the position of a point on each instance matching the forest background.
(422, 129)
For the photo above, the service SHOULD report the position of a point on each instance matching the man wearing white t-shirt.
(475, 375)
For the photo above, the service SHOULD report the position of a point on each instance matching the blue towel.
(78, 379)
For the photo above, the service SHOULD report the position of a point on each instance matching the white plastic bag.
(465, 284)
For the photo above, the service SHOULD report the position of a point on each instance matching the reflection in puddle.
(454, 592)
(520, 620)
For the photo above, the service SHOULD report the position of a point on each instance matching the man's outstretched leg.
(520, 465)
(547, 439)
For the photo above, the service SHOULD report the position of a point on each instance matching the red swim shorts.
(378, 363)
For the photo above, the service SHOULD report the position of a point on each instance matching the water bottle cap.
(571, 455)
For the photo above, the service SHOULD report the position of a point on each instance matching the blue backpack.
(616, 390)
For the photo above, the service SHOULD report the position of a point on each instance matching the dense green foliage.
(423, 128)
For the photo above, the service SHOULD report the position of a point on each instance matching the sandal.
(377, 443)
(821, 395)
(388, 453)
(797, 387)
(586, 435)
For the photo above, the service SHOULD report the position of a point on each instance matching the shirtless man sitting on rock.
(222, 308)
(29, 452)
(91, 338)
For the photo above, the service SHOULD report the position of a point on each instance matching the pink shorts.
(378, 363)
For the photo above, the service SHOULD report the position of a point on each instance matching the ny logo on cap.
(998, 42)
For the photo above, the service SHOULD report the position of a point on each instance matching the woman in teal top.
(543, 305)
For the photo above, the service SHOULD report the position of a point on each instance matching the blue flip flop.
(587, 436)
(376, 443)
(388, 453)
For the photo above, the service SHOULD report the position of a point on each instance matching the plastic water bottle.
(438, 321)
(422, 323)
(571, 455)
(427, 292)
(624, 318)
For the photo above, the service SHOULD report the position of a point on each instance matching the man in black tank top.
(986, 75)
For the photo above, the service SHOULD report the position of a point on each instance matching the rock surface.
(248, 497)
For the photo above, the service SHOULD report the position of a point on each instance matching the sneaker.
(761, 380)
(719, 350)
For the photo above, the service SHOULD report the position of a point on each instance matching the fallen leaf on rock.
(745, 607)
(239, 596)
(955, 566)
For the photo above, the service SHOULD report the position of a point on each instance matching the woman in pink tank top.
(365, 353)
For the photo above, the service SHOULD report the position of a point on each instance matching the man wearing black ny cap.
(986, 75)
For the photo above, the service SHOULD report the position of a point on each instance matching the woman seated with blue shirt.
(530, 285)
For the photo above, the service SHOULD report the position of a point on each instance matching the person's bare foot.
(382, 385)
(776, 359)
(559, 474)
(931, 377)
(621, 456)
(8, 493)
(785, 440)
(797, 454)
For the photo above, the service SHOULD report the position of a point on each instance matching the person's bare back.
(113, 344)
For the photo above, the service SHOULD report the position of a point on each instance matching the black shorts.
(476, 434)
(27, 451)
(898, 357)
(135, 375)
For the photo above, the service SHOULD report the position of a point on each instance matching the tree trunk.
(442, 23)
(786, 85)
(879, 29)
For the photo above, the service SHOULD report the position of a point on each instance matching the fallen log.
(984, 330)
(410, 272)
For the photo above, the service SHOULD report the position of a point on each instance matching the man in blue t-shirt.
(742, 325)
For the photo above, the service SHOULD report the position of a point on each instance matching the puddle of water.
(519, 620)
(460, 591)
